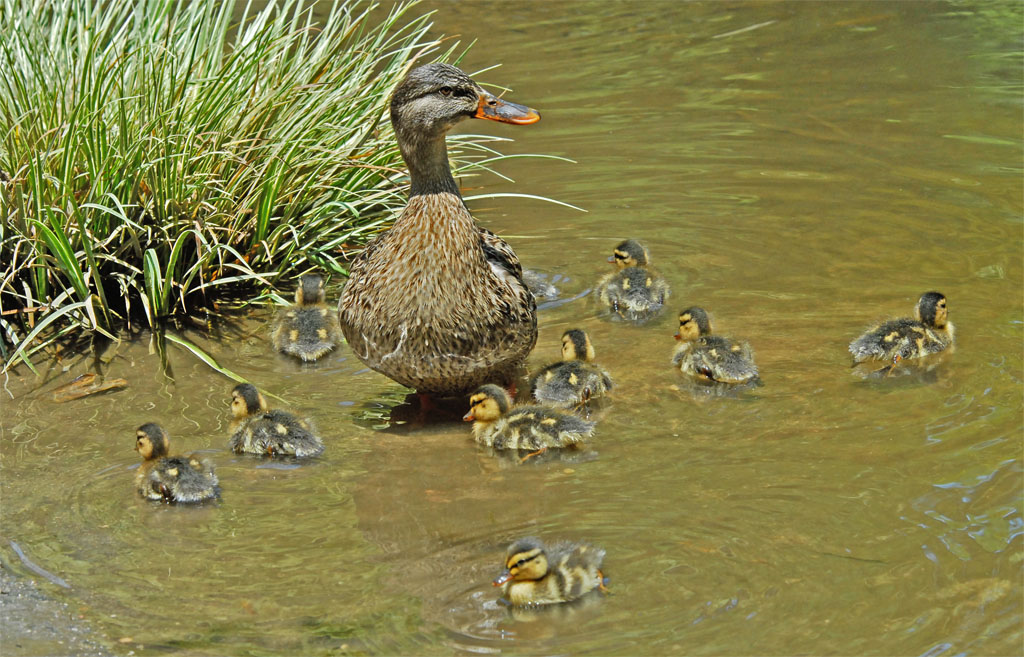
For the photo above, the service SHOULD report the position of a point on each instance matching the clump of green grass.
(158, 156)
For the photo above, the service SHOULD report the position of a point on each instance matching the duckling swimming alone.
(166, 478)
(537, 428)
(576, 379)
(634, 292)
(274, 433)
(711, 357)
(536, 574)
(929, 332)
(310, 329)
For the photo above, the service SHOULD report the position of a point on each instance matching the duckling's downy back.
(180, 479)
(635, 294)
(536, 427)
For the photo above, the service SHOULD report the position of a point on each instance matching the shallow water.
(801, 170)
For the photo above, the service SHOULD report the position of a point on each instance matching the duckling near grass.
(710, 357)
(897, 339)
(576, 379)
(309, 329)
(536, 428)
(536, 574)
(166, 478)
(634, 292)
(257, 430)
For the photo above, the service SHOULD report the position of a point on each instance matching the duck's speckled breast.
(424, 307)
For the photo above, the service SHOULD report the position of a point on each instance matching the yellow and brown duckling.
(497, 424)
(711, 357)
(576, 379)
(536, 574)
(438, 303)
(182, 479)
(897, 339)
(257, 430)
(308, 330)
(633, 292)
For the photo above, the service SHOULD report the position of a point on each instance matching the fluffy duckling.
(576, 379)
(711, 357)
(257, 430)
(634, 291)
(536, 574)
(497, 424)
(309, 329)
(170, 478)
(929, 332)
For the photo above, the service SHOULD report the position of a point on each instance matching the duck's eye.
(445, 91)
(519, 564)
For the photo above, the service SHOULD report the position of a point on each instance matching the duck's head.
(525, 560)
(246, 400)
(630, 254)
(310, 290)
(151, 441)
(576, 345)
(693, 323)
(487, 404)
(931, 310)
(433, 98)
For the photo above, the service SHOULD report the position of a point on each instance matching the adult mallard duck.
(535, 428)
(170, 478)
(711, 357)
(929, 332)
(536, 574)
(256, 430)
(633, 292)
(576, 379)
(438, 303)
(309, 330)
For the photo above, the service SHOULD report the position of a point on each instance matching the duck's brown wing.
(499, 253)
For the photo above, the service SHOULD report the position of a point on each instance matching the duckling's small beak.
(677, 336)
(611, 259)
(496, 109)
(468, 417)
(504, 577)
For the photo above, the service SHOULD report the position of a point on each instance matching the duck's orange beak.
(496, 109)
(677, 336)
(504, 577)
(468, 417)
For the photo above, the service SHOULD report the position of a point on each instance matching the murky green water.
(799, 169)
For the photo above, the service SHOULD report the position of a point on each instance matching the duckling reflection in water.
(497, 424)
(576, 379)
(184, 479)
(536, 574)
(257, 430)
(709, 357)
(309, 329)
(898, 339)
(634, 292)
